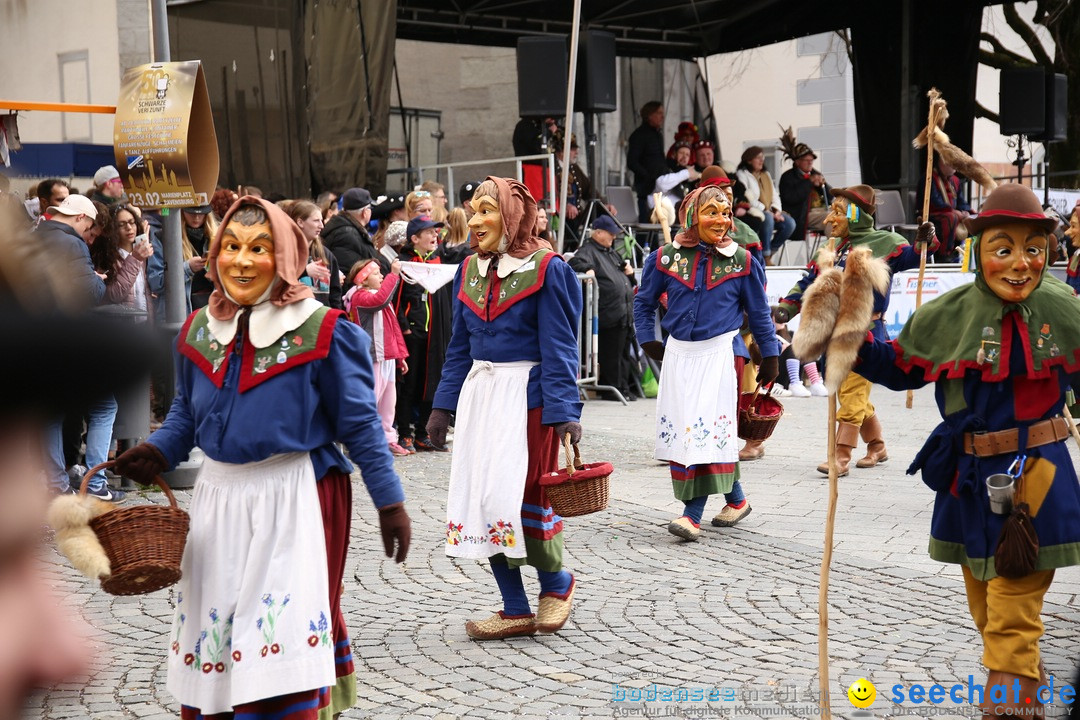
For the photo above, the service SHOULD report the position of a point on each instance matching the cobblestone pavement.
(736, 611)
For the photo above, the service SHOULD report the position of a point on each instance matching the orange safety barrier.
(58, 107)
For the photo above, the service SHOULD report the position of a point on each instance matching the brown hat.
(862, 195)
(1008, 203)
(802, 149)
(714, 175)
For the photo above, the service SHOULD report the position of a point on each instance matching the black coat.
(645, 157)
(616, 287)
(349, 242)
(795, 193)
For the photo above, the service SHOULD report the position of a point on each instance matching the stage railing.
(490, 166)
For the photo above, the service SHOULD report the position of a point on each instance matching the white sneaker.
(818, 389)
(798, 390)
(780, 391)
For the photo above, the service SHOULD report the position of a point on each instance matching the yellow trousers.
(1007, 614)
(854, 397)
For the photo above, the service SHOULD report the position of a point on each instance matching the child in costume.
(1072, 233)
(710, 283)
(511, 375)
(999, 352)
(851, 220)
(370, 305)
(267, 380)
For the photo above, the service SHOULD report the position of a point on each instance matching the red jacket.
(373, 310)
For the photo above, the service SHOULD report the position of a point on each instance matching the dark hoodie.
(350, 243)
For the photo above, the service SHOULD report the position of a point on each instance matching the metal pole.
(568, 123)
(175, 305)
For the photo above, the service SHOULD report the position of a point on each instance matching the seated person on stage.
(803, 190)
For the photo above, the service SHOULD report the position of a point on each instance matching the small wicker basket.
(581, 488)
(758, 415)
(144, 543)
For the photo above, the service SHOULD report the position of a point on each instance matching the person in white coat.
(764, 200)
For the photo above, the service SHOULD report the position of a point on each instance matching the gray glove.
(437, 425)
(574, 428)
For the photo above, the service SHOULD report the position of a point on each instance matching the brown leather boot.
(847, 437)
(1027, 705)
(875, 445)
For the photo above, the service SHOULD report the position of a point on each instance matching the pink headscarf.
(290, 258)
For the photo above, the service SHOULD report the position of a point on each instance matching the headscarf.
(518, 210)
(687, 216)
(290, 258)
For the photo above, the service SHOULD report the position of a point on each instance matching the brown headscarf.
(518, 210)
(687, 216)
(290, 258)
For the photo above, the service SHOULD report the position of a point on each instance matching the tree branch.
(982, 112)
(1027, 34)
(1001, 57)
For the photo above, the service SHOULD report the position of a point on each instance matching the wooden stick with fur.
(70, 516)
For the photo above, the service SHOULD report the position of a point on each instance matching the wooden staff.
(1072, 424)
(658, 206)
(931, 123)
(826, 557)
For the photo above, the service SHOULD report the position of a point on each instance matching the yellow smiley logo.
(862, 693)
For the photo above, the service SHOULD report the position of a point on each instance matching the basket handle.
(108, 464)
(757, 394)
(575, 463)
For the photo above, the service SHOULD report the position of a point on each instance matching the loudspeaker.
(542, 68)
(1057, 109)
(595, 86)
(1022, 102)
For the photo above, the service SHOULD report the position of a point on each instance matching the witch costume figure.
(511, 376)
(851, 223)
(710, 283)
(998, 351)
(268, 379)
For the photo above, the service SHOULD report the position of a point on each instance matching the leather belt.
(1003, 442)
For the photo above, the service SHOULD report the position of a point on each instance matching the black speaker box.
(542, 68)
(1022, 108)
(1057, 109)
(595, 86)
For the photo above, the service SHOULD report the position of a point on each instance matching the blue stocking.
(556, 583)
(695, 508)
(736, 496)
(515, 601)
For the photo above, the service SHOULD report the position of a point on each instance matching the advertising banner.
(163, 137)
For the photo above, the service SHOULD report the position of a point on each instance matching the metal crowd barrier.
(588, 339)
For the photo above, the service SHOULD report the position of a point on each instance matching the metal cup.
(1001, 487)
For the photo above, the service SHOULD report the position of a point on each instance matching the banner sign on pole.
(163, 136)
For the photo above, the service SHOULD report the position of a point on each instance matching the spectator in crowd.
(251, 191)
(438, 197)
(457, 226)
(415, 318)
(948, 209)
(803, 190)
(543, 225)
(50, 193)
(346, 234)
(386, 210)
(453, 251)
(418, 203)
(394, 240)
(197, 232)
(97, 228)
(764, 201)
(615, 280)
(328, 203)
(222, 200)
(534, 136)
(321, 271)
(645, 155)
(580, 191)
(370, 304)
(108, 187)
(679, 178)
(465, 194)
(704, 155)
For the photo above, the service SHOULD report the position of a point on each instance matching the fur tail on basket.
(862, 276)
(70, 516)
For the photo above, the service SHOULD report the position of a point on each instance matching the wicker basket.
(144, 543)
(758, 415)
(581, 488)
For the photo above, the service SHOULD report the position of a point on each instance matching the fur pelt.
(668, 211)
(863, 274)
(70, 516)
(821, 305)
(966, 165)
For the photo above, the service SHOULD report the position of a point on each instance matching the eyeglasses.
(127, 223)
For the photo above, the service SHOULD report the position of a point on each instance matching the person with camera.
(803, 190)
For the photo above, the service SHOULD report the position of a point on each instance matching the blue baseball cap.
(418, 224)
(606, 222)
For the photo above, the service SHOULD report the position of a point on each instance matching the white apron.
(252, 614)
(697, 403)
(491, 459)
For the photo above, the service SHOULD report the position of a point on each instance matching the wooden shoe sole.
(553, 611)
(499, 627)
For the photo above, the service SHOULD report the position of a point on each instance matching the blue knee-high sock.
(515, 601)
(736, 496)
(556, 583)
(695, 508)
